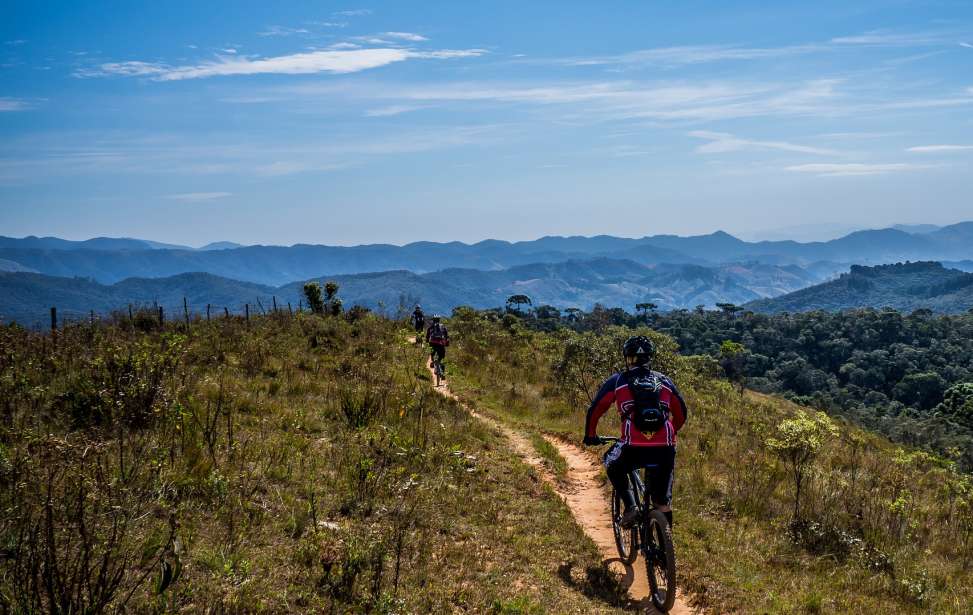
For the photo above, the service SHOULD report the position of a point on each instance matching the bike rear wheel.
(660, 560)
(626, 540)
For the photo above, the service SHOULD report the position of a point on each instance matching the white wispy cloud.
(196, 197)
(13, 104)
(15, 42)
(691, 54)
(855, 169)
(720, 142)
(623, 100)
(405, 36)
(335, 61)
(887, 38)
(967, 45)
(86, 155)
(927, 149)
(353, 13)
(392, 110)
(283, 31)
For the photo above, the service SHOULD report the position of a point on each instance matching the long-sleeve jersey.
(437, 334)
(615, 391)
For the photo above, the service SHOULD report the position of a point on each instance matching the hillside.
(904, 287)
(267, 466)
(26, 297)
(111, 260)
(870, 533)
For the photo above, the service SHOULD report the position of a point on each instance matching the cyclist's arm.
(678, 410)
(602, 402)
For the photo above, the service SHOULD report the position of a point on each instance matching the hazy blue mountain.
(903, 286)
(6, 265)
(27, 297)
(917, 229)
(98, 243)
(221, 245)
(111, 260)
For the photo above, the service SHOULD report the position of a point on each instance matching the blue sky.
(326, 122)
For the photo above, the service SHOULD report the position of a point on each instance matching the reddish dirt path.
(582, 492)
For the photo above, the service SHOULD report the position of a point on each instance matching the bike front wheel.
(660, 561)
(626, 540)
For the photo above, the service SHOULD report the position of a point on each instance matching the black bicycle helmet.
(436, 318)
(640, 348)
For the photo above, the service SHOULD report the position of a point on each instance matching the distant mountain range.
(112, 260)
(102, 243)
(26, 297)
(105, 273)
(904, 286)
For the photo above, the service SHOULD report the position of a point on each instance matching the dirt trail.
(582, 492)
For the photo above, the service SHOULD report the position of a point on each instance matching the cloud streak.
(855, 169)
(721, 142)
(13, 104)
(334, 61)
(936, 149)
(198, 197)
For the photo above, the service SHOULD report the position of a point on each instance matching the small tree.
(312, 292)
(733, 358)
(645, 309)
(517, 300)
(797, 443)
(323, 303)
(729, 309)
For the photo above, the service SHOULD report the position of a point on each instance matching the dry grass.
(881, 528)
(283, 465)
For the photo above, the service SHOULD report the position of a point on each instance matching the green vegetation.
(550, 455)
(288, 464)
(875, 528)
(903, 286)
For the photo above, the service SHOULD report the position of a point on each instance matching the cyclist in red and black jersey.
(438, 338)
(652, 411)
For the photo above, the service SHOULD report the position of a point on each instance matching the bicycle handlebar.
(607, 439)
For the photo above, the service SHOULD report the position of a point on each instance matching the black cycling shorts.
(659, 462)
(439, 350)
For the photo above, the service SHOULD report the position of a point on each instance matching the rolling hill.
(112, 260)
(904, 286)
(26, 297)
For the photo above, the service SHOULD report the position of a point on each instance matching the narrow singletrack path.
(583, 494)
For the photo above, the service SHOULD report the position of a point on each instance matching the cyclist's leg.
(618, 465)
(661, 464)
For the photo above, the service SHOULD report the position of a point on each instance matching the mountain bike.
(438, 369)
(650, 534)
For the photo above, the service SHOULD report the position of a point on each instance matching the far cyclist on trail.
(418, 319)
(438, 338)
(652, 411)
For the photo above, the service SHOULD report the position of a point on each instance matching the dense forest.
(907, 376)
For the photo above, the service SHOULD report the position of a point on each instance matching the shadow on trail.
(601, 583)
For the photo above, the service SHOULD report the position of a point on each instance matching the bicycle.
(651, 535)
(438, 369)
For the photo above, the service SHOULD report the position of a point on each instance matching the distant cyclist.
(418, 319)
(438, 338)
(652, 411)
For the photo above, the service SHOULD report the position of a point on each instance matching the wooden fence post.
(274, 299)
(185, 311)
(162, 317)
(289, 309)
(246, 311)
(53, 319)
(207, 312)
(131, 316)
